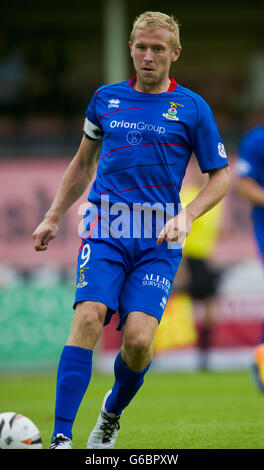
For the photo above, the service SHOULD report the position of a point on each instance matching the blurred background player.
(250, 186)
(201, 278)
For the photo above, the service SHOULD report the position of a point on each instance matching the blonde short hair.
(153, 20)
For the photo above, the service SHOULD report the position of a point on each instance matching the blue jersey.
(147, 141)
(251, 165)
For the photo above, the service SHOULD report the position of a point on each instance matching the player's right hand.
(45, 232)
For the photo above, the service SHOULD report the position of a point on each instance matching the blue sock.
(127, 383)
(73, 377)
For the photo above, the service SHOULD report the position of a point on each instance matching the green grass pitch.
(171, 411)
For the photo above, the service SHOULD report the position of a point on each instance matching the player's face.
(152, 54)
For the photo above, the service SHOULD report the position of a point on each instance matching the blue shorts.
(126, 275)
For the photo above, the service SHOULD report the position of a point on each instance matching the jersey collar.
(172, 86)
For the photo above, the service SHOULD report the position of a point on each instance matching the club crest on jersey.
(172, 111)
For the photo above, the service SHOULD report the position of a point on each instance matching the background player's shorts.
(204, 279)
(126, 275)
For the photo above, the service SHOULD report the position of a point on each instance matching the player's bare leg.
(130, 367)
(139, 333)
(87, 324)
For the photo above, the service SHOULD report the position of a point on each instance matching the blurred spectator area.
(53, 57)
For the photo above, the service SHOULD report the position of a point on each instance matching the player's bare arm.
(251, 191)
(179, 227)
(74, 182)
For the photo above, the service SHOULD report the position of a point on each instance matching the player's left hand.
(176, 229)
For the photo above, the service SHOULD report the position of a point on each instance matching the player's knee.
(89, 317)
(137, 344)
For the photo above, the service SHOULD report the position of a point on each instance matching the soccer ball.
(18, 432)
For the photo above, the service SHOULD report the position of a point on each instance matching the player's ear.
(176, 54)
(130, 47)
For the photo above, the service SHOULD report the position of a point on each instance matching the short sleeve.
(92, 127)
(208, 146)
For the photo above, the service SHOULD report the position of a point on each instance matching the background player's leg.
(75, 366)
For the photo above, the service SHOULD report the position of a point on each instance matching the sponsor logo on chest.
(139, 126)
